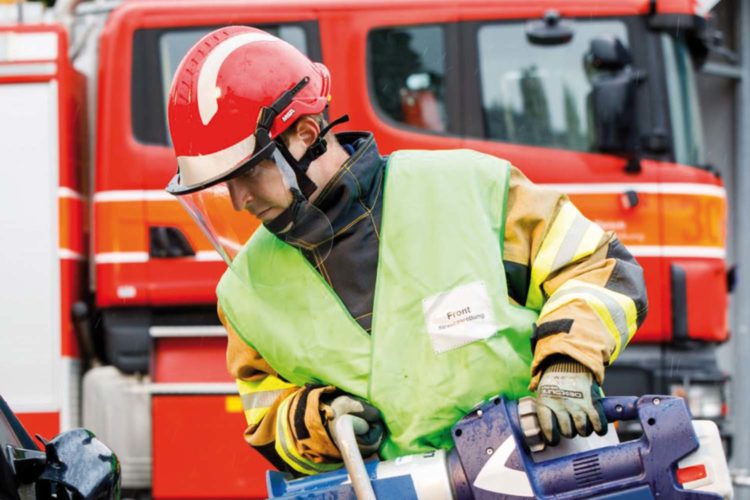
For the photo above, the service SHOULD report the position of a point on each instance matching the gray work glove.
(569, 401)
(368, 442)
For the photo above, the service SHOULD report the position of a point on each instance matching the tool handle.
(620, 408)
(342, 430)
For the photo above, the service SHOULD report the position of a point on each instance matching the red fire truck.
(594, 98)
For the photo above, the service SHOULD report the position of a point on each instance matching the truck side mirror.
(608, 54)
(612, 97)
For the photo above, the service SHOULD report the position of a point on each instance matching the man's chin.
(268, 215)
(262, 216)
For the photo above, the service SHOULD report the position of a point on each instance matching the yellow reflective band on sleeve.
(233, 404)
(255, 415)
(286, 449)
(257, 396)
(542, 265)
(616, 311)
(267, 383)
(570, 238)
(590, 241)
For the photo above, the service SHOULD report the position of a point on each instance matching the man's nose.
(239, 194)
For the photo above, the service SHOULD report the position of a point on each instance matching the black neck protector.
(305, 186)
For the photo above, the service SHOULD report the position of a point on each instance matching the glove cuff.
(564, 364)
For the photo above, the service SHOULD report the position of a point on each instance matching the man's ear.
(307, 129)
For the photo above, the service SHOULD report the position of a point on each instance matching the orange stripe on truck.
(70, 219)
(122, 224)
(634, 226)
(694, 220)
(690, 220)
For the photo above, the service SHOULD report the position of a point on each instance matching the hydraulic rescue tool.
(495, 457)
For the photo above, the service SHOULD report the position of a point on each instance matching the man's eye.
(250, 173)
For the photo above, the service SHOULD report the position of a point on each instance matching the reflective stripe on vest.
(440, 285)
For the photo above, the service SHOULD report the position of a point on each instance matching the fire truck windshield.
(539, 95)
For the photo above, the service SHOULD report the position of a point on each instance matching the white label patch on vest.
(459, 316)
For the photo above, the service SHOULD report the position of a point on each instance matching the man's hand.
(568, 401)
(368, 442)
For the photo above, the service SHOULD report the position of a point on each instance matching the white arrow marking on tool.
(208, 93)
(496, 477)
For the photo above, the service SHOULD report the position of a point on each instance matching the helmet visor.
(229, 224)
(226, 228)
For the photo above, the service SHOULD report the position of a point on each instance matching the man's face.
(261, 191)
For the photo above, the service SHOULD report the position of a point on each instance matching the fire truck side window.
(538, 95)
(407, 74)
(156, 55)
(687, 129)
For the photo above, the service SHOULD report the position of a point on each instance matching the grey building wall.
(718, 98)
(723, 89)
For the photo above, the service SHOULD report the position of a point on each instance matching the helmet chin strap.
(295, 175)
(283, 222)
(313, 152)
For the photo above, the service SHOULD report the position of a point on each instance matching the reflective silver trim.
(28, 69)
(615, 309)
(570, 243)
(121, 257)
(260, 399)
(187, 331)
(218, 388)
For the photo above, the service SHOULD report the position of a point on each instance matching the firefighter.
(404, 289)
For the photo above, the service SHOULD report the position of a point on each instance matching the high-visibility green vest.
(440, 284)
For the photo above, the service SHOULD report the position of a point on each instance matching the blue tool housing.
(639, 469)
(643, 468)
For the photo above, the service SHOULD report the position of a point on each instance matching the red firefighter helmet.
(234, 92)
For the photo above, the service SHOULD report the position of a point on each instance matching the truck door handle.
(629, 199)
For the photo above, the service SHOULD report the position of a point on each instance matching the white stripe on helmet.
(207, 90)
(198, 169)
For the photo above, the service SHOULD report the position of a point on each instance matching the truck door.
(535, 108)
(482, 84)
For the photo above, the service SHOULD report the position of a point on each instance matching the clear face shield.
(267, 192)
(227, 229)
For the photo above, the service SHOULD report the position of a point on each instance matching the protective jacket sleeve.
(588, 289)
(284, 421)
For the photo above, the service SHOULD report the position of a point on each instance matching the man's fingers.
(369, 413)
(597, 416)
(373, 435)
(565, 421)
(548, 423)
(369, 442)
(343, 405)
(583, 426)
(598, 419)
